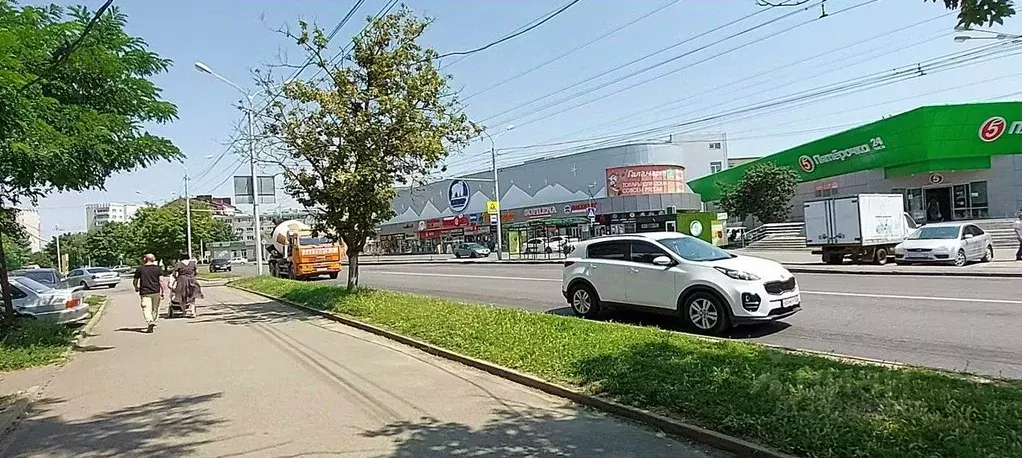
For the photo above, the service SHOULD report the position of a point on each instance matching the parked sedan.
(219, 265)
(33, 299)
(471, 250)
(48, 277)
(955, 243)
(92, 277)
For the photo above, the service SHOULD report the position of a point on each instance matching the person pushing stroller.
(185, 288)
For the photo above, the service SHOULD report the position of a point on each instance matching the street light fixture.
(203, 68)
(496, 184)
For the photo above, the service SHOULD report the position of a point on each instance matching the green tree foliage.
(72, 245)
(765, 191)
(71, 116)
(112, 244)
(973, 13)
(385, 116)
(16, 251)
(163, 230)
(42, 259)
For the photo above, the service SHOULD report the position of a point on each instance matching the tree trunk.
(352, 271)
(5, 287)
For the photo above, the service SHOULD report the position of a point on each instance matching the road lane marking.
(817, 293)
(481, 277)
(914, 298)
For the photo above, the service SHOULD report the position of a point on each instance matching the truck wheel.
(881, 257)
(333, 276)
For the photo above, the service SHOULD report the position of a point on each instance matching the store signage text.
(582, 207)
(993, 128)
(808, 164)
(645, 179)
(539, 211)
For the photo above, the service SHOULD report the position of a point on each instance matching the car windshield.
(42, 276)
(473, 246)
(314, 241)
(33, 285)
(693, 249)
(219, 261)
(935, 233)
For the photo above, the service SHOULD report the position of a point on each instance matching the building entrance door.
(938, 204)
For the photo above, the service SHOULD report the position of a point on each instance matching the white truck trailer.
(863, 227)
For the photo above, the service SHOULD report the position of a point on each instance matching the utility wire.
(62, 54)
(634, 61)
(512, 35)
(572, 51)
(663, 75)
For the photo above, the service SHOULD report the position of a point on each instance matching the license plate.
(321, 269)
(917, 256)
(791, 301)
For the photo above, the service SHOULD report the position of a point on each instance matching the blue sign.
(458, 196)
(473, 218)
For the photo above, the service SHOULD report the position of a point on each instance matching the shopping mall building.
(608, 190)
(951, 162)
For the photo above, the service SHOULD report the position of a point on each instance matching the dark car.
(219, 265)
(48, 277)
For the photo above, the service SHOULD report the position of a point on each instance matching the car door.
(977, 243)
(607, 268)
(650, 285)
(21, 300)
(74, 278)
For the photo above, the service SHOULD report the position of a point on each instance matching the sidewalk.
(255, 378)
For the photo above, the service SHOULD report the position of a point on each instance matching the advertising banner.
(643, 180)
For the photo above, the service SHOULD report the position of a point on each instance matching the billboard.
(643, 180)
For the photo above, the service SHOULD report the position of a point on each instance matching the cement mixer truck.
(297, 254)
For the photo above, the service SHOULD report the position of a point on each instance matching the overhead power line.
(63, 53)
(512, 35)
(571, 51)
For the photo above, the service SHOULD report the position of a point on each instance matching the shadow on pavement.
(154, 429)
(246, 314)
(91, 348)
(138, 330)
(522, 431)
(673, 323)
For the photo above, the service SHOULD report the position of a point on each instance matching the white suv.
(672, 273)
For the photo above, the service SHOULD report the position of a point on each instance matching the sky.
(596, 87)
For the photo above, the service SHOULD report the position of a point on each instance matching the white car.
(31, 298)
(955, 243)
(672, 273)
(92, 277)
(236, 261)
(555, 244)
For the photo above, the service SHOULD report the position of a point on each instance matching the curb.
(10, 414)
(695, 433)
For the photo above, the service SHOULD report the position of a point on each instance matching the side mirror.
(663, 261)
(969, 236)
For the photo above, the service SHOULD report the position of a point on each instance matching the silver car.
(34, 299)
(954, 243)
(471, 250)
(92, 277)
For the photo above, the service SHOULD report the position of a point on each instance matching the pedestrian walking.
(1018, 235)
(149, 286)
(186, 285)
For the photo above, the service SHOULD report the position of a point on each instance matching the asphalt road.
(956, 323)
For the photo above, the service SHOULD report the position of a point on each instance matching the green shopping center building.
(951, 162)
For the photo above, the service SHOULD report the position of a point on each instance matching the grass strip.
(33, 343)
(800, 404)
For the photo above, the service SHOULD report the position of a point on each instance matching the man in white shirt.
(1018, 235)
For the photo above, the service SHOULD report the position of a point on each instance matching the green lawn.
(806, 405)
(33, 343)
(38, 343)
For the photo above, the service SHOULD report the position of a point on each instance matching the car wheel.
(961, 259)
(473, 255)
(548, 250)
(989, 256)
(881, 257)
(111, 286)
(706, 313)
(457, 255)
(85, 285)
(584, 302)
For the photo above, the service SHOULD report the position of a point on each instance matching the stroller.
(176, 308)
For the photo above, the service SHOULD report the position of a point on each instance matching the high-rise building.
(96, 215)
(32, 224)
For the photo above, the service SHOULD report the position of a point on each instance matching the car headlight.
(736, 274)
(942, 249)
(898, 249)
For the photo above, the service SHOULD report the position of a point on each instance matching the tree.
(17, 251)
(73, 246)
(41, 259)
(111, 244)
(765, 191)
(980, 12)
(73, 105)
(385, 116)
(163, 230)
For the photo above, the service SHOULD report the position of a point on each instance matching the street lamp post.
(251, 157)
(992, 35)
(60, 267)
(496, 186)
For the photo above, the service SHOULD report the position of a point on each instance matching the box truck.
(863, 227)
